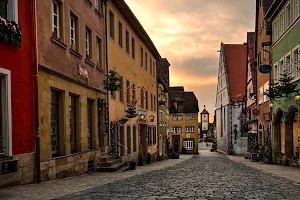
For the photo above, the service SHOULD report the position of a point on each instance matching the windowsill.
(89, 2)
(88, 61)
(98, 12)
(121, 47)
(101, 69)
(112, 39)
(59, 42)
(75, 53)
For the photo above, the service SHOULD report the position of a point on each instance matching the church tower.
(204, 122)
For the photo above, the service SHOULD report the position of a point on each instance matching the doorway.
(176, 144)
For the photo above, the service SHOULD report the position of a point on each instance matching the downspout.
(36, 107)
(106, 61)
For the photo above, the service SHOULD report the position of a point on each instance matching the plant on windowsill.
(114, 81)
(131, 110)
(10, 32)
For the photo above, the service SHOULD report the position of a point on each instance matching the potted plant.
(114, 81)
(131, 111)
(140, 160)
(149, 158)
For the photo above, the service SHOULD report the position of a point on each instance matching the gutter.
(36, 106)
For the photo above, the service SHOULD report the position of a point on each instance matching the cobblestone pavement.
(208, 176)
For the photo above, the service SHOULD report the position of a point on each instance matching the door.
(176, 145)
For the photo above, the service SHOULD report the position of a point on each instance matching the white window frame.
(56, 15)
(12, 10)
(281, 67)
(189, 129)
(288, 65)
(296, 63)
(6, 101)
(188, 117)
(288, 17)
(276, 35)
(179, 117)
(281, 22)
(188, 145)
(296, 8)
(87, 41)
(72, 28)
(176, 129)
(275, 73)
(193, 116)
(99, 51)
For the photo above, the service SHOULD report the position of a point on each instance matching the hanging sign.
(265, 69)
(236, 105)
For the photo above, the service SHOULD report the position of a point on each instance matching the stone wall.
(70, 165)
(24, 173)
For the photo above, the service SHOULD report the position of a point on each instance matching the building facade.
(134, 56)
(230, 99)
(17, 94)
(183, 120)
(285, 19)
(163, 81)
(71, 43)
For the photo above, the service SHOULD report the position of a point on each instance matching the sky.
(189, 33)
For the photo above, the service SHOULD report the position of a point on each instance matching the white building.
(230, 94)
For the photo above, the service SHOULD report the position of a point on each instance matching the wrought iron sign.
(83, 74)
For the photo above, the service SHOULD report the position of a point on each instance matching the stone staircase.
(109, 163)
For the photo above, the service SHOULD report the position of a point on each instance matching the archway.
(277, 132)
(291, 127)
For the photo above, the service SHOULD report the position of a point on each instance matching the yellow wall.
(131, 70)
(47, 82)
(183, 123)
(296, 134)
(282, 136)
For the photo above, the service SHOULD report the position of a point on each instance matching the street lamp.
(142, 116)
(271, 105)
(297, 97)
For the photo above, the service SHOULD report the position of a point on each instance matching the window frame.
(276, 29)
(90, 105)
(111, 25)
(142, 57)
(282, 22)
(75, 107)
(58, 5)
(127, 41)
(99, 52)
(88, 42)
(57, 152)
(120, 25)
(146, 61)
(133, 47)
(147, 100)
(128, 92)
(295, 8)
(288, 16)
(296, 66)
(75, 30)
(121, 93)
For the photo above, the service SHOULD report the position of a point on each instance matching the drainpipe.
(106, 61)
(36, 107)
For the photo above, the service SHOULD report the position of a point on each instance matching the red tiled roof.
(236, 63)
(204, 111)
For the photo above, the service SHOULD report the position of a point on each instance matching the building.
(263, 30)
(163, 81)
(132, 53)
(204, 122)
(71, 43)
(17, 94)
(230, 99)
(183, 120)
(285, 19)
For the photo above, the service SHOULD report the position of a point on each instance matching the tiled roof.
(177, 88)
(204, 111)
(162, 72)
(188, 100)
(236, 63)
(251, 44)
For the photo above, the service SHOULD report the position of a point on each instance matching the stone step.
(107, 158)
(109, 163)
(113, 168)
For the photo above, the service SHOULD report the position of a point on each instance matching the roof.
(204, 111)
(236, 64)
(251, 45)
(177, 88)
(162, 72)
(274, 9)
(188, 101)
(136, 26)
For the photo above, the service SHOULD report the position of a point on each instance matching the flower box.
(10, 32)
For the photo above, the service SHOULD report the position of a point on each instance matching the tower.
(204, 122)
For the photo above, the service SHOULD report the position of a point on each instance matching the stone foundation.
(69, 165)
(24, 173)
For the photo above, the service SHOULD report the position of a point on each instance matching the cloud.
(189, 32)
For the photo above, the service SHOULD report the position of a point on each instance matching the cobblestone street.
(208, 176)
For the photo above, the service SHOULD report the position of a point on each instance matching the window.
(149, 138)
(55, 108)
(151, 66)
(275, 72)
(288, 63)
(281, 66)
(88, 49)
(128, 131)
(193, 116)
(296, 63)
(154, 69)
(133, 48)
(142, 57)
(296, 9)
(73, 31)
(99, 5)
(154, 135)
(90, 123)
(5, 113)
(188, 145)
(127, 92)
(146, 61)
(259, 58)
(122, 140)
(176, 129)
(55, 18)
(9, 9)
(189, 129)
(151, 99)
(188, 117)
(288, 16)
(127, 41)
(177, 117)
(133, 92)
(111, 25)
(147, 106)
(120, 34)
(281, 23)
(276, 30)
(142, 98)
(73, 122)
(134, 138)
(99, 52)
(122, 93)
(154, 100)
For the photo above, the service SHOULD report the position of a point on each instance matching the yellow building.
(132, 53)
(183, 120)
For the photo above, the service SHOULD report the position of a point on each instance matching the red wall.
(20, 62)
